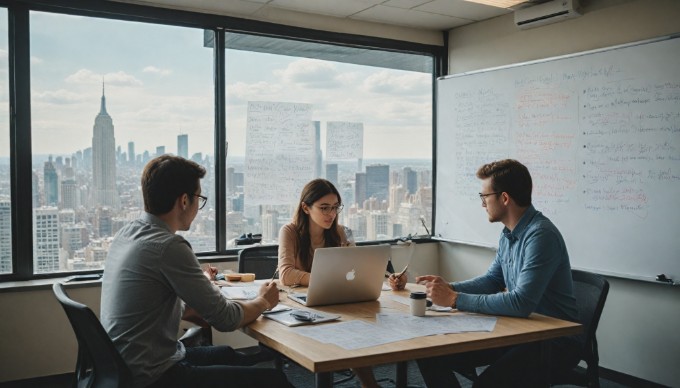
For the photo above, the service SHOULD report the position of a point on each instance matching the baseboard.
(627, 380)
(54, 381)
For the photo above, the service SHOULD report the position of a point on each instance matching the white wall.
(638, 331)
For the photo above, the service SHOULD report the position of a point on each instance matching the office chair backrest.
(591, 292)
(261, 260)
(99, 364)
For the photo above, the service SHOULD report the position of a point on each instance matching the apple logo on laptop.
(350, 275)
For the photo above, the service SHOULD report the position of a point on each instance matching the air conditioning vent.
(546, 13)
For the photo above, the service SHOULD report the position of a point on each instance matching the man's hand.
(270, 293)
(438, 290)
(210, 272)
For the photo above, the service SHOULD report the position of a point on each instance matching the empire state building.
(104, 159)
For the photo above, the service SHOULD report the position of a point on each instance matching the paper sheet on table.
(394, 327)
(351, 335)
(240, 293)
(435, 324)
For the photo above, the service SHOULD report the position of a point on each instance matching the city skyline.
(76, 213)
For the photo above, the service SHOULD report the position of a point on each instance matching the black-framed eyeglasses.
(325, 209)
(483, 196)
(202, 200)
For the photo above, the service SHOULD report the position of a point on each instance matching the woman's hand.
(398, 283)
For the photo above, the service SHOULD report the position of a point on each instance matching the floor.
(300, 378)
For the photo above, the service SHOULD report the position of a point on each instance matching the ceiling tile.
(462, 9)
(338, 8)
(410, 18)
(408, 4)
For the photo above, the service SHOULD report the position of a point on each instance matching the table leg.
(545, 364)
(324, 379)
(402, 374)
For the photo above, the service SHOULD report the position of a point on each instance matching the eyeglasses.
(202, 200)
(328, 209)
(483, 196)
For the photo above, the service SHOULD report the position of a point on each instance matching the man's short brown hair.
(166, 178)
(510, 176)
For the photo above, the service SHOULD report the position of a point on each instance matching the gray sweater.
(149, 272)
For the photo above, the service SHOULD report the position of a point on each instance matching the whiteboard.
(600, 134)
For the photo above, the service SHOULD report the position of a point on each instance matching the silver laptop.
(345, 275)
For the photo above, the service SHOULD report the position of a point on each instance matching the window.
(359, 118)
(107, 96)
(103, 87)
(5, 192)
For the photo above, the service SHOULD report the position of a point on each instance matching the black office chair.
(99, 364)
(591, 292)
(262, 260)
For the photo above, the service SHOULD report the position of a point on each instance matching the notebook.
(345, 275)
(295, 317)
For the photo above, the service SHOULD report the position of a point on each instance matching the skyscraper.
(131, 152)
(317, 149)
(51, 181)
(5, 236)
(410, 180)
(45, 240)
(183, 146)
(332, 173)
(69, 194)
(360, 189)
(377, 225)
(104, 159)
(378, 181)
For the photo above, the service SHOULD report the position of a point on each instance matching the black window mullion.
(20, 141)
(220, 140)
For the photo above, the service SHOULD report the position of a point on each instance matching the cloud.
(36, 60)
(3, 54)
(155, 70)
(310, 73)
(241, 92)
(119, 78)
(58, 97)
(406, 84)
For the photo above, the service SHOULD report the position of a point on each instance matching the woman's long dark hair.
(311, 193)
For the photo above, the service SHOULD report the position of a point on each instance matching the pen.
(274, 275)
(402, 272)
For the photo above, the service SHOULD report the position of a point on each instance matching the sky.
(158, 84)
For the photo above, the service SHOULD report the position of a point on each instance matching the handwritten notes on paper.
(344, 140)
(600, 134)
(279, 152)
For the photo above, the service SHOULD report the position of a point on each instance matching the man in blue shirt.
(531, 273)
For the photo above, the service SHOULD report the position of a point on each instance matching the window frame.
(18, 14)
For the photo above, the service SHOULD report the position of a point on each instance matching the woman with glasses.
(315, 225)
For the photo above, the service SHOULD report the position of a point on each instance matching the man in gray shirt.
(152, 279)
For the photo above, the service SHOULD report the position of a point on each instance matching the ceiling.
(435, 15)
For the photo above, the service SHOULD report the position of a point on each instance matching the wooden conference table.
(323, 359)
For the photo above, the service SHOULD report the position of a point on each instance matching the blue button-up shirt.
(533, 264)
